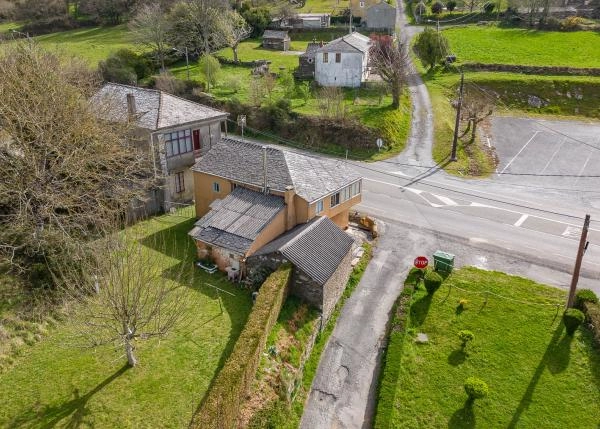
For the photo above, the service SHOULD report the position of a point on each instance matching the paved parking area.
(562, 153)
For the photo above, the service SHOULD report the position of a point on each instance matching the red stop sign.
(421, 262)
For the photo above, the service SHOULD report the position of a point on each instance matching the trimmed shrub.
(465, 336)
(476, 388)
(450, 6)
(592, 312)
(437, 7)
(585, 295)
(551, 23)
(432, 281)
(572, 318)
(572, 23)
(222, 403)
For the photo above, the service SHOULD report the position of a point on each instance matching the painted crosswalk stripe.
(521, 220)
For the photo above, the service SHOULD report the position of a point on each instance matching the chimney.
(131, 111)
(290, 208)
(265, 188)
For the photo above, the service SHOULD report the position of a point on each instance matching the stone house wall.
(335, 286)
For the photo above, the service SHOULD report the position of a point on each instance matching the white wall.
(350, 72)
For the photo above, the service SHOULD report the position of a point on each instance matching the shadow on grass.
(457, 357)
(556, 359)
(419, 310)
(74, 410)
(172, 241)
(463, 418)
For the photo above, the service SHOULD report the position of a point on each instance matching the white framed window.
(216, 187)
(178, 142)
(179, 182)
(319, 207)
(338, 57)
(346, 193)
(335, 199)
(355, 189)
(325, 57)
(362, 4)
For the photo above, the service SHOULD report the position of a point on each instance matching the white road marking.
(399, 173)
(519, 152)
(583, 168)
(553, 155)
(572, 231)
(521, 220)
(445, 200)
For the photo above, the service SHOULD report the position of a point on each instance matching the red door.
(196, 135)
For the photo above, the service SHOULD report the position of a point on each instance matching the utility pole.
(187, 63)
(582, 247)
(457, 123)
(350, 24)
(438, 26)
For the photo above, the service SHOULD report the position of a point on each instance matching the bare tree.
(389, 60)
(150, 28)
(125, 296)
(239, 30)
(330, 101)
(65, 172)
(256, 91)
(476, 106)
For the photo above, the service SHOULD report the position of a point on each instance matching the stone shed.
(320, 253)
(306, 61)
(277, 40)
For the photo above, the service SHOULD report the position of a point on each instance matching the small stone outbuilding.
(321, 255)
(382, 17)
(277, 40)
(306, 61)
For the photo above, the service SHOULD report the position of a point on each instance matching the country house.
(259, 206)
(343, 61)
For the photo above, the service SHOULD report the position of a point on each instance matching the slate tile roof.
(155, 109)
(235, 221)
(312, 177)
(349, 43)
(317, 248)
(274, 34)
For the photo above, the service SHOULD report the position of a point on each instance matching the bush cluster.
(585, 295)
(476, 388)
(465, 336)
(222, 402)
(432, 281)
(572, 318)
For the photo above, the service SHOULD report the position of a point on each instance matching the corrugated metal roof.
(237, 220)
(312, 177)
(317, 248)
(154, 109)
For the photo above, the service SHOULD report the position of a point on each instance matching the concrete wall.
(204, 193)
(273, 230)
(188, 184)
(348, 72)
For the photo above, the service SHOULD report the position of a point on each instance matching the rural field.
(534, 370)
(494, 45)
(53, 384)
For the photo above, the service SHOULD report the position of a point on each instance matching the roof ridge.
(160, 100)
(190, 101)
(139, 88)
(304, 232)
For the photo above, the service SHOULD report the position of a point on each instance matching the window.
(325, 57)
(178, 142)
(355, 189)
(335, 199)
(319, 207)
(362, 4)
(338, 57)
(346, 193)
(179, 185)
(216, 187)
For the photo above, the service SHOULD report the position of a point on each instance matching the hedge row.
(541, 70)
(592, 313)
(221, 405)
(388, 381)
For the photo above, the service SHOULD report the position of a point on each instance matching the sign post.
(379, 143)
(421, 262)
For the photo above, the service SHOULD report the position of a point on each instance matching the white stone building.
(343, 62)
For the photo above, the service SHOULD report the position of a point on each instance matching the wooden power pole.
(457, 123)
(580, 252)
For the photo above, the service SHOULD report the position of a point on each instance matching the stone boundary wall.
(542, 70)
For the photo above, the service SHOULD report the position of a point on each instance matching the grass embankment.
(537, 375)
(53, 384)
(494, 45)
(5, 27)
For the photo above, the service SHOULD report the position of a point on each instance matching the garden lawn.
(325, 6)
(55, 385)
(538, 376)
(5, 27)
(494, 45)
(91, 44)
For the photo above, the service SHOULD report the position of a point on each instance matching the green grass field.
(490, 44)
(326, 6)
(537, 375)
(5, 27)
(53, 384)
(91, 44)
